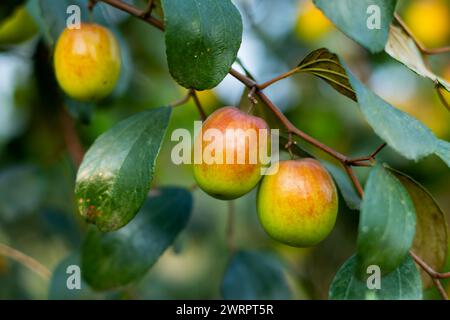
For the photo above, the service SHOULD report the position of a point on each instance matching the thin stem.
(441, 97)
(421, 47)
(440, 288)
(370, 157)
(278, 78)
(355, 181)
(428, 269)
(135, 12)
(230, 227)
(182, 101)
(25, 260)
(198, 104)
(148, 10)
(71, 138)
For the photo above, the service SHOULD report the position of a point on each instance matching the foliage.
(136, 211)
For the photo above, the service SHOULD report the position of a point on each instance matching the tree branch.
(71, 138)
(25, 260)
(250, 83)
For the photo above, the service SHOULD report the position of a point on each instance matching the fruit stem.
(200, 109)
(25, 260)
(230, 227)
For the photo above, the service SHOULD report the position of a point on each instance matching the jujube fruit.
(298, 205)
(87, 62)
(233, 179)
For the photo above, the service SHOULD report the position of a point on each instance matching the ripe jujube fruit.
(298, 205)
(232, 179)
(87, 62)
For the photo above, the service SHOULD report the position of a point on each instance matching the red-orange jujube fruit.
(228, 137)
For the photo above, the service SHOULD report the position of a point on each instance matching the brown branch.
(198, 104)
(25, 260)
(428, 269)
(250, 83)
(182, 101)
(71, 138)
(367, 158)
(440, 288)
(278, 78)
(421, 47)
(135, 12)
(148, 10)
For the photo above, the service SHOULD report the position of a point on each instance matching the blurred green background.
(37, 212)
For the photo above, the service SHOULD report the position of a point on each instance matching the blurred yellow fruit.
(311, 23)
(429, 20)
(17, 28)
(87, 62)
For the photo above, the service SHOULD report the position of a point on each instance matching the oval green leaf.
(114, 259)
(253, 276)
(430, 241)
(353, 17)
(401, 284)
(402, 132)
(115, 175)
(387, 222)
(202, 40)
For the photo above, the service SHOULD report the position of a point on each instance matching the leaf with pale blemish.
(115, 175)
(326, 65)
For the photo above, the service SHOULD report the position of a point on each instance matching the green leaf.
(387, 222)
(346, 188)
(402, 132)
(8, 6)
(326, 65)
(430, 241)
(114, 259)
(115, 175)
(352, 18)
(403, 48)
(254, 276)
(25, 196)
(401, 284)
(202, 40)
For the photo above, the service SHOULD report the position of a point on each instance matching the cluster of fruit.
(297, 205)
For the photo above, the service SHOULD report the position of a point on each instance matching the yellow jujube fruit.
(298, 205)
(87, 62)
